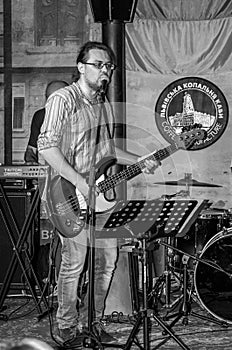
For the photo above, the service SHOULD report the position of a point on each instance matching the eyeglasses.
(100, 65)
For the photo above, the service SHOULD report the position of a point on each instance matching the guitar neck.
(134, 169)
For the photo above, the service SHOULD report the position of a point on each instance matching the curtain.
(184, 10)
(180, 37)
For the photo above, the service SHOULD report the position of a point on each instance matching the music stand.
(146, 221)
(163, 217)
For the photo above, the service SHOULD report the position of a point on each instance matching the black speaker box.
(20, 203)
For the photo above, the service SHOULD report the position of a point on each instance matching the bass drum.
(214, 287)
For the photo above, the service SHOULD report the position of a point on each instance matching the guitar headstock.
(187, 138)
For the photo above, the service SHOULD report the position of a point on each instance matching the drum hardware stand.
(185, 307)
(17, 239)
(163, 284)
(168, 274)
(162, 290)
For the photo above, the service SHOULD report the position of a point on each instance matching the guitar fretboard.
(134, 169)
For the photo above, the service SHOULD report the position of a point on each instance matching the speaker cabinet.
(19, 202)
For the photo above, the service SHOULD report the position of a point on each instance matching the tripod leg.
(168, 331)
(202, 317)
(133, 333)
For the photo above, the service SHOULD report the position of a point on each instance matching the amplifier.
(20, 204)
(19, 184)
(14, 183)
(46, 231)
(23, 171)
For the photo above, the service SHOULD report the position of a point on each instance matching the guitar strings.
(115, 179)
(67, 206)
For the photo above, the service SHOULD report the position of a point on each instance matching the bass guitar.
(67, 204)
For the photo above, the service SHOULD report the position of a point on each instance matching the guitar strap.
(106, 119)
(90, 218)
(103, 115)
(104, 112)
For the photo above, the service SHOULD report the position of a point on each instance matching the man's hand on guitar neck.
(151, 164)
(127, 158)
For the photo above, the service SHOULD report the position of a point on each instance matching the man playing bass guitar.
(78, 127)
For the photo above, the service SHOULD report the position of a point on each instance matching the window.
(18, 106)
(60, 22)
(18, 112)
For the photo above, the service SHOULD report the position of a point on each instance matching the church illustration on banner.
(189, 116)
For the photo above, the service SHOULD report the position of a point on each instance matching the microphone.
(103, 87)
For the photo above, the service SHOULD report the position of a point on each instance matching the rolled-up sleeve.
(54, 121)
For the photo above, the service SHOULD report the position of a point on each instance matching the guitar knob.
(68, 222)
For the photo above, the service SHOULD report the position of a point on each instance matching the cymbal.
(189, 182)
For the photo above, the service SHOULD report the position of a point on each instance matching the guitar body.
(68, 205)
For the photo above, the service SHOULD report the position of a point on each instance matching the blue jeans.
(73, 256)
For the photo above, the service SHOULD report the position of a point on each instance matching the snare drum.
(213, 221)
(207, 225)
(214, 287)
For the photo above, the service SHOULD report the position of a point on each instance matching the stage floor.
(21, 319)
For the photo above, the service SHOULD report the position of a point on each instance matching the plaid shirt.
(70, 124)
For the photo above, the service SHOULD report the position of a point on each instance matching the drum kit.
(198, 265)
(196, 242)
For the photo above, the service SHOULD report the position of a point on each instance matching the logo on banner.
(188, 102)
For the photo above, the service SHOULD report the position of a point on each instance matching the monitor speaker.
(20, 203)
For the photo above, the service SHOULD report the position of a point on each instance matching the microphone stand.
(91, 221)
